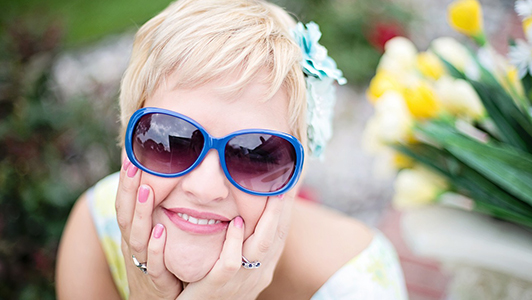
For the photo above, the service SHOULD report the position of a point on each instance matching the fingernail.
(144, 191)
(125, 163)
(239, 222)
(131, 171)
(280, 196)
(158, 231)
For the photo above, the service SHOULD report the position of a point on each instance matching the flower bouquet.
(457, 123)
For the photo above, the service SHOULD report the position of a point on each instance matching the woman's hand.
(227, 279)
(134, 207)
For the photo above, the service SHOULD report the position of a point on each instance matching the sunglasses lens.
(166, 144)
(260, 162)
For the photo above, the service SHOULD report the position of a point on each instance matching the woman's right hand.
(134, 208)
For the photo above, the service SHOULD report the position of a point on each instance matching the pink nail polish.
(144, 191)
(125, 163)
(158, 231)
(239, 222)
(131, 171)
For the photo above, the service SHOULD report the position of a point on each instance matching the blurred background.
(60, 66)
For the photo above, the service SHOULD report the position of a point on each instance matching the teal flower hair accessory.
(320, 73)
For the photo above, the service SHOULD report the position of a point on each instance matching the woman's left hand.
(228, 279)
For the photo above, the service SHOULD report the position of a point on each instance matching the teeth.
(192, 220)
(196, 221)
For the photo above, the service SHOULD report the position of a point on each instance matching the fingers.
(285, 217)
(274, 218)
(161, 277)
(126, 195)
(224, 270)
(231, 256)
(134, 207)
(141, 225)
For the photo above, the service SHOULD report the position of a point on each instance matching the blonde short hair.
(202, 40)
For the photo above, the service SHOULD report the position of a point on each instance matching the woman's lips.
(196, 222)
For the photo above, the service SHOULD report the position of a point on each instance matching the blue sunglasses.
(257, 161)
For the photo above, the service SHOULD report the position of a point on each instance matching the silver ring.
(246, 264)
(142, 266)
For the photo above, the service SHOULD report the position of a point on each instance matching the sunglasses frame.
(219, 144)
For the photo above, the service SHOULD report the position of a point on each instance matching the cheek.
(251, 211)
(160, 186)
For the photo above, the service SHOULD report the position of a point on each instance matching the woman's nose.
(207, 181)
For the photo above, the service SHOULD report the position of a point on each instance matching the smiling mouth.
(197, 221)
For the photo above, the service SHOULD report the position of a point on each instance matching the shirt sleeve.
(101, 201)
(374, 274)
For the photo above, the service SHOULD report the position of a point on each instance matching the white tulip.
(391, 123)
(399, 56)
(457, 55)
(371, 142)
(458, 97)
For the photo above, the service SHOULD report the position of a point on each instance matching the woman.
(220, 103)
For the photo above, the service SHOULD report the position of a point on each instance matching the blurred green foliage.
(84, 21)
(52, 148)
(48, 149)
(354, 31)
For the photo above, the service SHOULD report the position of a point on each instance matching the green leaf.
(507, 167)
(453, 71)
(514, 125)
(527, 86)
(465, 180)
(502, 214)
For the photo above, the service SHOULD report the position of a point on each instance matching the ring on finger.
(142, 266)
(246, 264)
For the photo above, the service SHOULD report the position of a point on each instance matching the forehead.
(221, 112)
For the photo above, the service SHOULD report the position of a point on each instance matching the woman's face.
(205, 193)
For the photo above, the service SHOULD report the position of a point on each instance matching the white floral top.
(373, 274)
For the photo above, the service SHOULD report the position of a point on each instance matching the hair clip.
(320, 73)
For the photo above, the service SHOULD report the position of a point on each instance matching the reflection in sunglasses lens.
(260, 162)
(166, 144)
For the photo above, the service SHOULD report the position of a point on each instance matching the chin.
(190, 274)
(191, 262)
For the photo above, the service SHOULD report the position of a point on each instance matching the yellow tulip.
(430, 65)
(465, 16)
(382, 82)
(421, 100)
(416, 187)
(402, 161)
